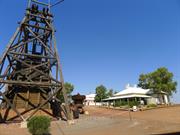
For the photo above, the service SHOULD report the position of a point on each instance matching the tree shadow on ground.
(174, 133)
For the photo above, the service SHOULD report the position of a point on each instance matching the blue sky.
(108, 42)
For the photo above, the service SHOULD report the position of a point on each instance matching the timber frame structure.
(30, 70)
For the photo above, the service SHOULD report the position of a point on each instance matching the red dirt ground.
(101, 121)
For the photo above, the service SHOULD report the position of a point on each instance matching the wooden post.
(114, 103)
(27, 101)
(62, 79)
(12, 106)
(130, 118)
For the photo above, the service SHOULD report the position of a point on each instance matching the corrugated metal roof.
(127, 96)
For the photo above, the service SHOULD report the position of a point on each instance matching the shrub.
(133, 103)
(117, 103)
(39, 125)
(151, 105)
(125, 103)
(120, 103)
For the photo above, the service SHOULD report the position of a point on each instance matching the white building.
(90, 100)
(138, 94)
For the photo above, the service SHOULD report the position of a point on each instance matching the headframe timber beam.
(46, 4)
(30, 71)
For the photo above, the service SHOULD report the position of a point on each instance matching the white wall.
(152, 100)
(92, 103)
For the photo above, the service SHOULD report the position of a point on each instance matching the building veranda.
(133, 95)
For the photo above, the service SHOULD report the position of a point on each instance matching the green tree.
(69, 89)
(159, 80)
(101, 93)
(110, 93)
(115, 92)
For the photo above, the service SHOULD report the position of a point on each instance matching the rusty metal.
(30, 70)
(78, 101)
